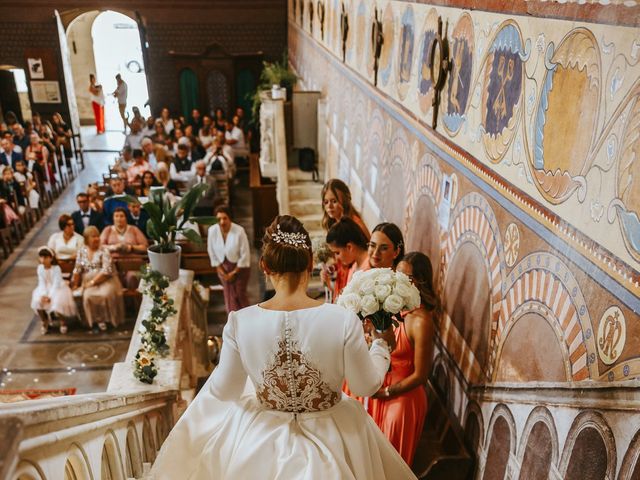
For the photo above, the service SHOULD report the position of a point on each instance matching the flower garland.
(152, 332)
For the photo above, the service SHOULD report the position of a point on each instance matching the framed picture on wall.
(46, 91)
(36, 70)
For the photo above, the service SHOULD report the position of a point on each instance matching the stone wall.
(525, 197)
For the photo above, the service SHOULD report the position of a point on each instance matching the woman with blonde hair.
(102, 290)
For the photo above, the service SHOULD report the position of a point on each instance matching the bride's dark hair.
(286, 246)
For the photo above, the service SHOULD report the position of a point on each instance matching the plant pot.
(166, 263)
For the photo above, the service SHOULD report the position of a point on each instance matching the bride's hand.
(388, 335)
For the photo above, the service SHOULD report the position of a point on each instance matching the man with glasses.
(85, 215)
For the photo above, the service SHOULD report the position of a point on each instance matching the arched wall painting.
(521, 363)
(405, 62)
(536, 463)
(588, 460)
(218, 91)
(458, 86)
(502, 91)
(570, 90)
(425, 86)
(467, 298)
(424, 233)
(188, 91)
(498, 453)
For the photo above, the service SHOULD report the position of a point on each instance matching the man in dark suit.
(139, 217)
(9, 156)
(86, 216)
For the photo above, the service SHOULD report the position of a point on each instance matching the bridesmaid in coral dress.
(336, 204)
(400, 406)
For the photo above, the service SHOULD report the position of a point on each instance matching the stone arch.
(133, 453)
(630, 469)
(396, 178)
(442, 378)
(542, 282)
(538, 448)
(148, 442)
(76, 466)
(474, 431)
(589, 450)
(161, 429)
(375, 149)
(27, 470)
(111, 460)
(500, 443)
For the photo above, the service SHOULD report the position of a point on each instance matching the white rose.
(367, 287)
(414, 300)
(350, 301)
(401, 277)
(393, 304)
(382, 292)
(403, 290)
(369, 305)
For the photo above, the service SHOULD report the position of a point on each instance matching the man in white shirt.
(218, 161)
(205, 204)
(150, 156)
(234, 137)
(121, 94)
(135, 136)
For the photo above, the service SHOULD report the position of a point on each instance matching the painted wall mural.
(536, 248)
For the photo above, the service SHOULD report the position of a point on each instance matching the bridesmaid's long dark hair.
(423, 279)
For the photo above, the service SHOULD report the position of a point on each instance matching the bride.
(273, 408)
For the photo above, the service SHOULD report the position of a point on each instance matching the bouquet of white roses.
(379, 294)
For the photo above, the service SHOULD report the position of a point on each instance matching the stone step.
(311, 222)
(295, 174)
(305, 191)
(305, 207)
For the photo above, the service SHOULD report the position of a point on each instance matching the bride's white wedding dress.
(291, 421)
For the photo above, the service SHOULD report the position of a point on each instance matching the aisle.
(79, 359)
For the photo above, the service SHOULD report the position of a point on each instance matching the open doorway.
(106, 44)
(15, 99)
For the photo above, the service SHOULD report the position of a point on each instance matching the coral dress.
(289, 421)
(401, 418)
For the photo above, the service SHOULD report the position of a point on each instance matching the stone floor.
(81, 359)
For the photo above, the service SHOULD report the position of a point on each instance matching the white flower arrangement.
(379, 294)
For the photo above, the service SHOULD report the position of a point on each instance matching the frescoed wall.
(526, 198)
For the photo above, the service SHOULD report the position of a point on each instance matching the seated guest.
(149, 154)
(164, 178)
(159, 137)
(124, 239)
(9, 155)
(166, 121)
(206, 202)
(197, 151)
(61, 134)
(95, 199)
(196, 120)
(102, 290)
(149, 128)
(11, 191)
(135, 136)
(234, 137)
(67, 242)
(219, 122)
(25, 178)
(85, 215)
(52, 295)
(206, 133)
(140, 165)
(20, 138)
(148, 180)
(348, 243)
(114, 201)
(37, 154)
(182, 168)
(138, 116)
(217, 161)
(126, 158)
(138, 217)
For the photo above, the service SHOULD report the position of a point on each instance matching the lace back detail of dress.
(291, 383)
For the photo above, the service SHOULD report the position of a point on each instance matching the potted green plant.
(273, 73)
(165, 222)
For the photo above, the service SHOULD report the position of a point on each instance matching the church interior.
(501, 137)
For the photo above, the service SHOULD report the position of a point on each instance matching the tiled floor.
(80, 359)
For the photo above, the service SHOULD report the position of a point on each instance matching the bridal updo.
(286, 246)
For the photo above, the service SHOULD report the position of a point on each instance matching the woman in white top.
(66, 243)
(97, 102)
(229, 252)
(273, 409)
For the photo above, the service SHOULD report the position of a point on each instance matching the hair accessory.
(47, 249)
(290, 238)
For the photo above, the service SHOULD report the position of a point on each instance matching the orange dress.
(401, 418)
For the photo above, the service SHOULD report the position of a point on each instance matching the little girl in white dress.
(52, 295)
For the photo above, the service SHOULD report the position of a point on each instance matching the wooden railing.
(114, 434)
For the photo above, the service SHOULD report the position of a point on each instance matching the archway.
(105, 44)
(15, 94)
